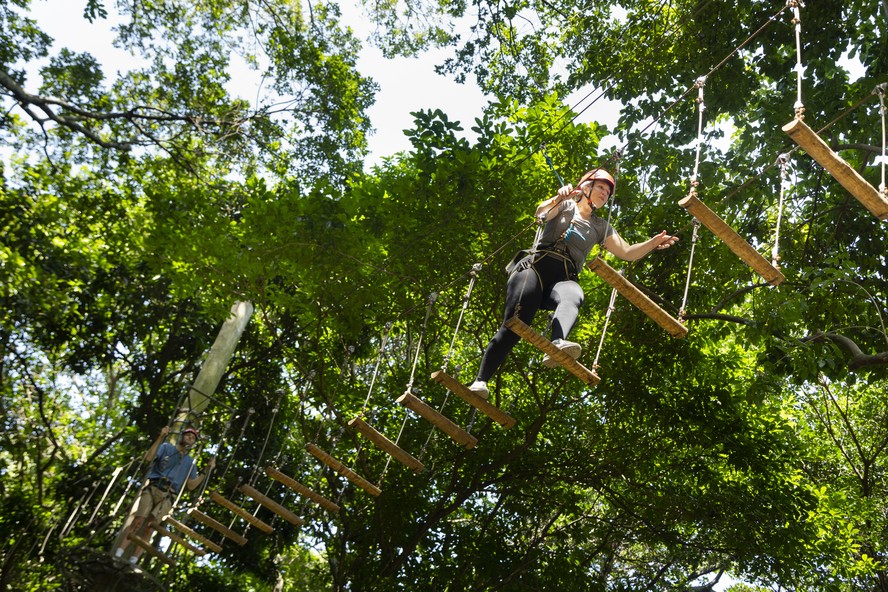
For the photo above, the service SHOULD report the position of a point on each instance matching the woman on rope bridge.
(547, 277)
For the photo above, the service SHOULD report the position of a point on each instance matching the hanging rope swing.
(300, 489)
(199, 516)
(874, 201)
(371, 433)
(635, 296)
(711, 220)
(249, 489)
(430, 414)
(459, 389)
(337, 466)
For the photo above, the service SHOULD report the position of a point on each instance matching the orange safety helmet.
(599, 175)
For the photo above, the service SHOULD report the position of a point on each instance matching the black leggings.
(544, 283)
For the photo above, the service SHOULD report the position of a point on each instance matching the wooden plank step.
(180, 540)
(271, 504)
(735, 242)
(838, 167)
(546, 346)
(301, 489)
(479, 403)
(343, 470)
(387, 446)
(193, 534)
(456, 433)
(225, 503)
(217, 526)
(636, 297)
(151, 549)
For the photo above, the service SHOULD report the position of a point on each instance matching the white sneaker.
(569, 347)
(479, 387)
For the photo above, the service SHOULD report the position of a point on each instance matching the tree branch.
(720, 317)
(26, 100)
(34, 105)
(863, 147)
(858, 358)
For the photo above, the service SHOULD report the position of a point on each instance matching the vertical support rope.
(799, 68)
(388, 458)
(701, 107)
(473, 274)
(782, 160)
(684, 298)
(385, 335)
(880, 91)
(610, 308)
(274, 413)
(432, 298)
(694, 182)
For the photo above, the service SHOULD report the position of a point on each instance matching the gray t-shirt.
(568, 229)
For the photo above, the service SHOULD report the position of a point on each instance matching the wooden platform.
(387, 446)
(192, 534)
(217, 526)
(231, 506)
(343, 470)
(162, 530)
(546, 346)
(272, 505)
(838, 167)
(479, 403)
(456, 433)
(151, 549)
(301, 489)
(735, 242)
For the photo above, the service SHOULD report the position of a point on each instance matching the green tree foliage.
(137, 209)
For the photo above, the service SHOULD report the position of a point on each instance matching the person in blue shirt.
(171, 468)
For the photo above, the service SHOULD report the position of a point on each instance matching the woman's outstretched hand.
(663, 241)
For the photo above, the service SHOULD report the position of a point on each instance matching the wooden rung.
(523, 330)
(271, 504)
(193, 534)
(387, 445)
(180, 540)
(479, 403)
(636, 297)
(456, 433)
(217, 526)
(838, 167)
(343, 470)
(301, 489)
(266, 528)
(735, 242)
(151, 549)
